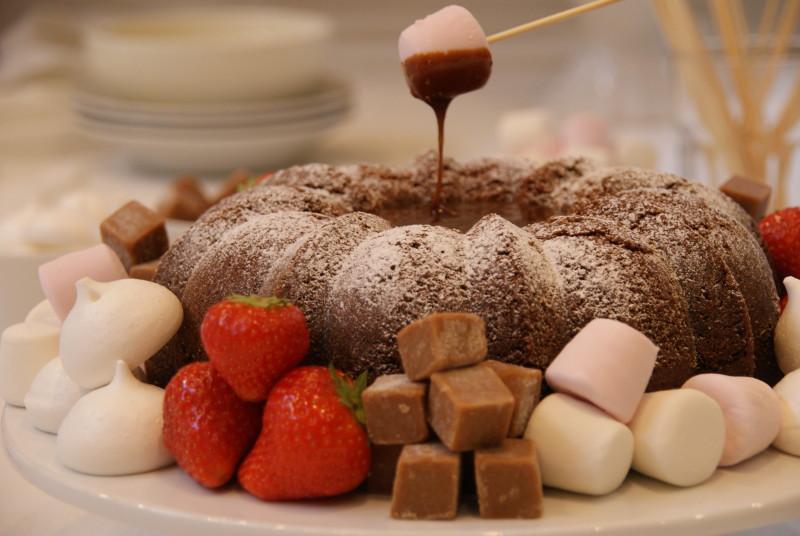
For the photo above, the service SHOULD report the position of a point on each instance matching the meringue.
(127, 319)
(450, 28)
(788, 390)
(24, 349)
(787, 332)
(43, 313)
(752, 413)
(115, 430)
(51, 396)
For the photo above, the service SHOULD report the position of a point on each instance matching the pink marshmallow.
(751, 409)
(450, 28)
(586, 130)
(607, 363)
(58, 277)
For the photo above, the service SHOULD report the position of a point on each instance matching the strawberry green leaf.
(264, 302)
(350, 392)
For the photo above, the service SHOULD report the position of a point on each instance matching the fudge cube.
(508, 481)
(469, 408)
(146, 271)
(525, 385)
(752, 196)
(186, 201)
(395, 410)
(135, 233)
(382, 468)
(441, 341)
(427, 483)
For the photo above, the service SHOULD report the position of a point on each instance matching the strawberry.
(206, 426)
(781, 233)
(252, 341)
(312, 443)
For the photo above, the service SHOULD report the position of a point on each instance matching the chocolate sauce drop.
(437, 78)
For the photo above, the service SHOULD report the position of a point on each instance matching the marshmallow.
(678, 436)
(752, 413)
(607, 363)
(24, 350)
(450, 28)
(127, 319)
(115, 430)
(58, 276)
(788, 390)
(43, 313)
(787, 332)
(580, 448)
(586, 130)
(525, 131)
(51, 396)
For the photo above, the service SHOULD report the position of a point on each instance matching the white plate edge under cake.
(763, 491)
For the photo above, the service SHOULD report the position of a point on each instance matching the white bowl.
(206, 53)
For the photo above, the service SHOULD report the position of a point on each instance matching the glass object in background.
(738, 98)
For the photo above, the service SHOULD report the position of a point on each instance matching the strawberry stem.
(350, 392)
(264, 302)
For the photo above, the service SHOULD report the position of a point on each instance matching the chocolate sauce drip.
(437, 78)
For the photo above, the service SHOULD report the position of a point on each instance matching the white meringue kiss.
(127, 319)
(115, 430)
(788, 390)
(44, 313)
(51, 396)
(787, 332)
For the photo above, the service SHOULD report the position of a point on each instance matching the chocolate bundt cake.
(538, 251)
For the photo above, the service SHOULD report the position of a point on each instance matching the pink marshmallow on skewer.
(450, 28)
(58, 277)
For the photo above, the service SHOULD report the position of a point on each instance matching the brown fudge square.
(508, 481)
(469, 408)
(135, 233)
(427, 483)
(146, 271)
(752, 196)
(395, 410)
(441, 341)
(382, 468)
(186, 201)
(525, 385)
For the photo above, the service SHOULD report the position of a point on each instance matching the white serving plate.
(762, 491)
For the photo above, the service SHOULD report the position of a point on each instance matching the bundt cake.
(537, 251)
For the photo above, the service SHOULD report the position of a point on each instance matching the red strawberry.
(312, 443)
(781, 233)
(252, 341)
(206, 426)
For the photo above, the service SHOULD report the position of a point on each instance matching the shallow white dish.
(206, 53)
(759, 492)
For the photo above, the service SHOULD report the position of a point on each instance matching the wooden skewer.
(767, 21)
(550, 19)
(787, 21)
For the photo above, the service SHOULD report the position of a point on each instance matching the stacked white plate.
(213, 136)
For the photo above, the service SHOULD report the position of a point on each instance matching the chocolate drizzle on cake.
(437, 78)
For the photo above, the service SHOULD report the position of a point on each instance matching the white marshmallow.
(44, 313)
(450, 28)
(678, 436)
(115, 430)
(580, 448)
(586, 130)
(788, 390)
(787, 332)
(522, 132)
(127, 319)
(24, 350)
(51, 396)
(608, 363)
(752, 413)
